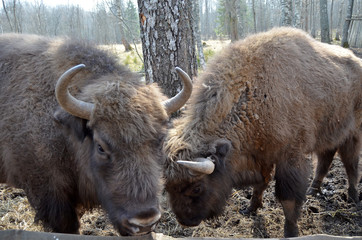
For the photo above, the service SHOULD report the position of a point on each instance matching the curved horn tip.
(204, 165)
(69, 103)
(79, 66)
(178, 69)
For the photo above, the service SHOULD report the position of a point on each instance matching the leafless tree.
(197, 32)
(344, 42)
(325, 36)
(231, 7)
(287, 11)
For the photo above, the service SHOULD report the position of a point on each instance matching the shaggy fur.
(64, 162)
(275, 96)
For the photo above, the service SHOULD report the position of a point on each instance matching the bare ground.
(328, 213)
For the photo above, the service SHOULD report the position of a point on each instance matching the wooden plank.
(27, 235)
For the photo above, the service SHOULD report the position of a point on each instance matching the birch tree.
(232, 19)
(325, 36)
(287, 11)
(167, 42)
(344, 42)
(197, 32)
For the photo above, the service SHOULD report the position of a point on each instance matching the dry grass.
(329, 213)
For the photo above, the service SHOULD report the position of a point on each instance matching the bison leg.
(323, 165)
(258, 190)
(290, 188)
(57, 214)
(257, 199)
(349, 153)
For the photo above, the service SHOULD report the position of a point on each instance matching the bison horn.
(175, 103)
(69, 103)
(201, 165)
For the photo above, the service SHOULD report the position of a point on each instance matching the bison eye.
(100, 149)
(196, 190)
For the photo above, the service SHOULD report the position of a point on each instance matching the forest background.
(117, 21)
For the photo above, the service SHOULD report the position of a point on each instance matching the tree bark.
(7, 15)
(331, 21)
(339, 24)
(167, 42)
(287, 11)
(325, 37)
(254, 17)
(297, 14)
(233, 19)
(197, 32)
(313, 13)
(207, 20)
(344, 42)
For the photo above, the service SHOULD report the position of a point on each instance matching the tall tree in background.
(331, 20)
(254, 15)
(232, 18)
(340, 14)
(132, 23)
(344, 42)
(117, 9)
(325, 36)
(197, 32)
(227, 19)
(12, 14)
(297, 20)
(287, 12)
(167, 41)
(207, 19)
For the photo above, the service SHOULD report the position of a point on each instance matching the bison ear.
(220, 148)
(72, 125)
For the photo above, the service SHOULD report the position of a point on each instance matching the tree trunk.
(233, 19)
(167, 42)
(287, 11)
(306, 15)
(313, 13)
(331, 21)
(297, 14)
(339, 24)
(124, 41)
(197, 33)
(325, 37)
(344, 42)
(254, 17)
(7, 15)
(207, 19)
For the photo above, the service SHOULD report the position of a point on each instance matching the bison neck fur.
(275, 96)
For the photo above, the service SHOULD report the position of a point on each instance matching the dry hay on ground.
(329, 213)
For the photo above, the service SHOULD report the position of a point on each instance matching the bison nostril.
(146, 218)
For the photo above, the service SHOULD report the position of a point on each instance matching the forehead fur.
(130, 111)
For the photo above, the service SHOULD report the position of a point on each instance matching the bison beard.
(273, 97)
(91, 136)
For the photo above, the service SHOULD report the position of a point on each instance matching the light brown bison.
(93, 137)
(265, 102)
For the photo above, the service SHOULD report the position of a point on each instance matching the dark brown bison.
(93, 137)
(264, 103)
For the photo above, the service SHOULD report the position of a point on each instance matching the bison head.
(198, 183)
(115, 128)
